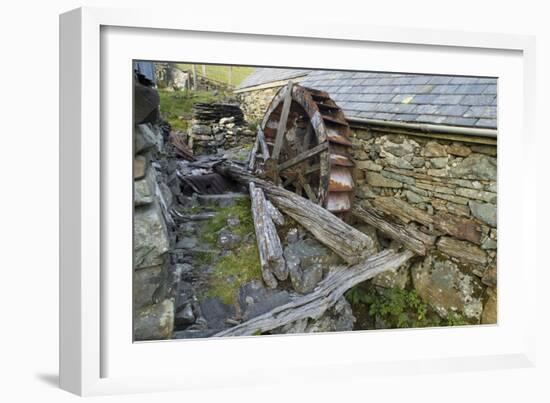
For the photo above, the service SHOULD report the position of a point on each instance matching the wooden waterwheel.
(303, 145)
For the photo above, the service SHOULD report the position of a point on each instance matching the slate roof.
(263, 75)
(412, 98)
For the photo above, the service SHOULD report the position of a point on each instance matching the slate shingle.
(448, 100)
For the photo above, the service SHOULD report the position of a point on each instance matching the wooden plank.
(303, 156)
(263, 145)
(308, 136)
(347, 242)
(395, 207)
(252, 156)
(326, 294)
(307, 188)
(412, 239)
(282, 122)
(272, 263)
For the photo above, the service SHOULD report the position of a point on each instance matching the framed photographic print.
(234, 201)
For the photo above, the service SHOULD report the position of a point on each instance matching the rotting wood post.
(194, 70)
(272, 263)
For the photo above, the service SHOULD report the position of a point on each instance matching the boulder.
(143, 190)
(255, 299)
(185, 316)
(490, 276)
(462, 250)
(397, 162)
(228, 240)
(308, 252)
(398, 278)
(146, 139)
(439, 162)
(154, 322)
(339, 318)
(150, 236)
(292, 235)
(146, 103)
(147, 286)
(140, 166)
(434, 149)
(377, 180)
(399, 149)
(201, 130)
(476, 166)
(489, 316)
(216, 312)
(368, 165)
(448, 288)
(485, 212)
(305, 280)
(459, 150)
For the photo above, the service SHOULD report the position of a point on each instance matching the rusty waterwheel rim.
(306, 142)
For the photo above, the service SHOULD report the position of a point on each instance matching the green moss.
(240, 266)
(233, 270)
(240, 210)
(203, 258)
(455, 319)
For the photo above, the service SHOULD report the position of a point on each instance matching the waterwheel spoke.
(307, 188)
(303, 156)
(315, 160)
(282, 123)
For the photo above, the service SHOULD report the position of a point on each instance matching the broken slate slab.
(216, 312)
(255, 299)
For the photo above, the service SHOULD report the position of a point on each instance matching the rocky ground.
(210, 278)
(196, 261)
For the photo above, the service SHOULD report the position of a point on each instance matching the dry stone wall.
(447, 189)
(255, 103)
(153, 306)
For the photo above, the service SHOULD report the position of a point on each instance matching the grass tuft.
(240, 266)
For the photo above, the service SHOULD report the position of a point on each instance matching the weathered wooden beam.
(307, 188)
(303, 156)
(275, 214)
(347, 242)
(263, 145)
(395, 207)
(326, 294)
(412, 239)
(282, 122)
(253, 152)
(272, 262)
(458, 227)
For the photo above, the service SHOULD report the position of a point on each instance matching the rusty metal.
(315, 157)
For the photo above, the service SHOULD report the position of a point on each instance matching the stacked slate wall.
(448, 189)
(153, 305)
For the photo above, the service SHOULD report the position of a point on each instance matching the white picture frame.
(96, 354)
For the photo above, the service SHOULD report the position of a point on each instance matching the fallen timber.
(272, 262)
(326, 294)
(350, 244)
(411, 238)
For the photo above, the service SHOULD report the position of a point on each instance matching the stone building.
(425, 149)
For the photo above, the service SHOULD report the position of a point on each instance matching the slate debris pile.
(218, 126)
